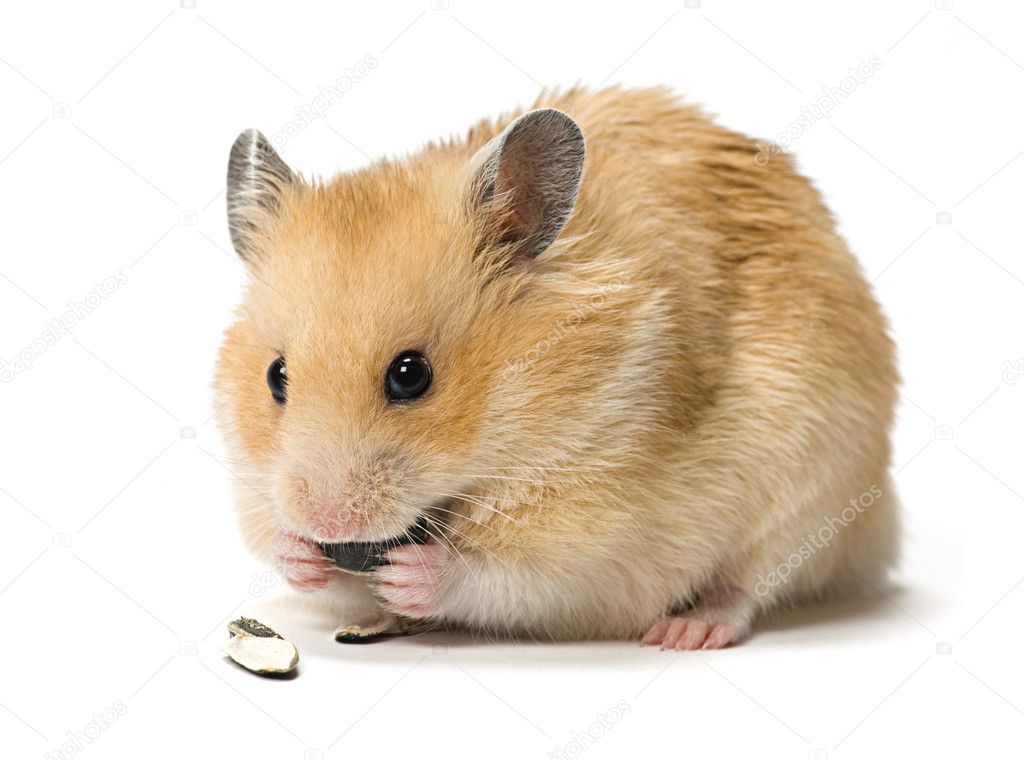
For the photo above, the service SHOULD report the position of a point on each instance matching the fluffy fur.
(627, 433)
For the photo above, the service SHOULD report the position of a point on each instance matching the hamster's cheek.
(450, 422)
(241, 388)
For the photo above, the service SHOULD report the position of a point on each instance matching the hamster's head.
(376, 368)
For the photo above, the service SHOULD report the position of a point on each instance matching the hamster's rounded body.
(666, 416)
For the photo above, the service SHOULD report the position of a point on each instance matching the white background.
(119, 558)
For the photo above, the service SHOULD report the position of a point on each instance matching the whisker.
(446, 542)
(493, 498)
(464, 517)
(480, 548)
(493, 477)
(546, 468)
(483, 504)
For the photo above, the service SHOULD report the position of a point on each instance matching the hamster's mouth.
(365, 556)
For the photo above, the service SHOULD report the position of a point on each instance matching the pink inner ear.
(522, 215)
(537, 165)
(512, 232)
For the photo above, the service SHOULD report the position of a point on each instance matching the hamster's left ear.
(257, 177)
(526, 181)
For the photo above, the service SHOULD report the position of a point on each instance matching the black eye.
(277, 379)
(408, 376)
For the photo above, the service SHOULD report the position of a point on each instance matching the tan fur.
(687, 383)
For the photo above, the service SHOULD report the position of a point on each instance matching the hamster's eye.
(408, 376)
(277, 380)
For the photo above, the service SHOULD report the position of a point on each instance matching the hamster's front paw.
(301, 561)
(415, 580)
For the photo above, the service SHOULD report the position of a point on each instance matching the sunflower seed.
(259, 648)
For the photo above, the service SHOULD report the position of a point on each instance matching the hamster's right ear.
(257, 177)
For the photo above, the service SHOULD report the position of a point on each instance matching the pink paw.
(301, 561)
(413, 584)
(690, 633)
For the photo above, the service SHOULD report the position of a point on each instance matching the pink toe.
(696, 633)
(656, 633)
(721, 635)
(676, 630)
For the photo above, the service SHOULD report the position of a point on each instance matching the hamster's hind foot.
(721, 619)
(690, 633)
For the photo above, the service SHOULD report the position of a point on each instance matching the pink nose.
(332, 523)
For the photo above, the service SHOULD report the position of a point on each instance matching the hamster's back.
(763, 282)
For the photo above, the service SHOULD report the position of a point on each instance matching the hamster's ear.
(256, 178)
(526, 181)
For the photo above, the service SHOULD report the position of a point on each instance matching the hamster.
(615, 357)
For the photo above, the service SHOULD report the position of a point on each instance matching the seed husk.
(362, 557)
(259, 649)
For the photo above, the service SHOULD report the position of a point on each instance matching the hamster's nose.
(311, 509)
(331, 523)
